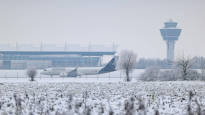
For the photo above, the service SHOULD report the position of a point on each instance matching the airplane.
(78, 71)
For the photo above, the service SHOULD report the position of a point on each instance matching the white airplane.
(78, 71)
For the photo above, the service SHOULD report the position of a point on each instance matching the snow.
(53, 97)
(74, 96)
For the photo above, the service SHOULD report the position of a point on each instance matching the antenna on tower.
(65, 47)
(41, 46)
(113, 46)
(16, 46)
(89, 46)
(170, 20)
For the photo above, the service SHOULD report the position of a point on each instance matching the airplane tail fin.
(110, 67)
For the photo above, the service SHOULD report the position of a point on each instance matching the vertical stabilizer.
(111, 66)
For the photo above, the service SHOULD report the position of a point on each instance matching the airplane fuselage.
(64, 71)
(78, 71)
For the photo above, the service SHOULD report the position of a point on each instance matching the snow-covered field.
(96, 94)
(72, 98)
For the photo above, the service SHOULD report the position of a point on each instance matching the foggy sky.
(132, 24)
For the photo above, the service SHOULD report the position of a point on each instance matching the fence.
(22, 74)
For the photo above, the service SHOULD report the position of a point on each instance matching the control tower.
(170, 34)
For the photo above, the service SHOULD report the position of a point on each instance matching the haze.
(132, 24)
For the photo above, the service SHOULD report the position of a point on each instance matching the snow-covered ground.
(97, 94)
(69, 98)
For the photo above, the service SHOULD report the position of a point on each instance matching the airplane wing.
(70, 73)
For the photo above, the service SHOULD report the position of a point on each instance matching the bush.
(31, 73)
(169, 75)
(154, 74)
(150, 74)
(193, 75)
(184, 65)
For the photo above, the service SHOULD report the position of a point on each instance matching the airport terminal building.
(45, 59)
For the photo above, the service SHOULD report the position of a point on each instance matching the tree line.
(143, 63)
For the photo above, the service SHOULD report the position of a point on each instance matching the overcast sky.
(132, 24)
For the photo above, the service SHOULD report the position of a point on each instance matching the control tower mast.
(170, 34)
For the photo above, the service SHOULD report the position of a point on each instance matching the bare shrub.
(154, 74)
(127, 62)
(190, 109)
(182, 71)
(31, 73)
(193, 75)
(202, 68)
(101, 110)
(183, 65)
(156, 112)
(87, 111)
(111, 112)
(198, 110)
(129, 106)
(150, 74)
(169, 75)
